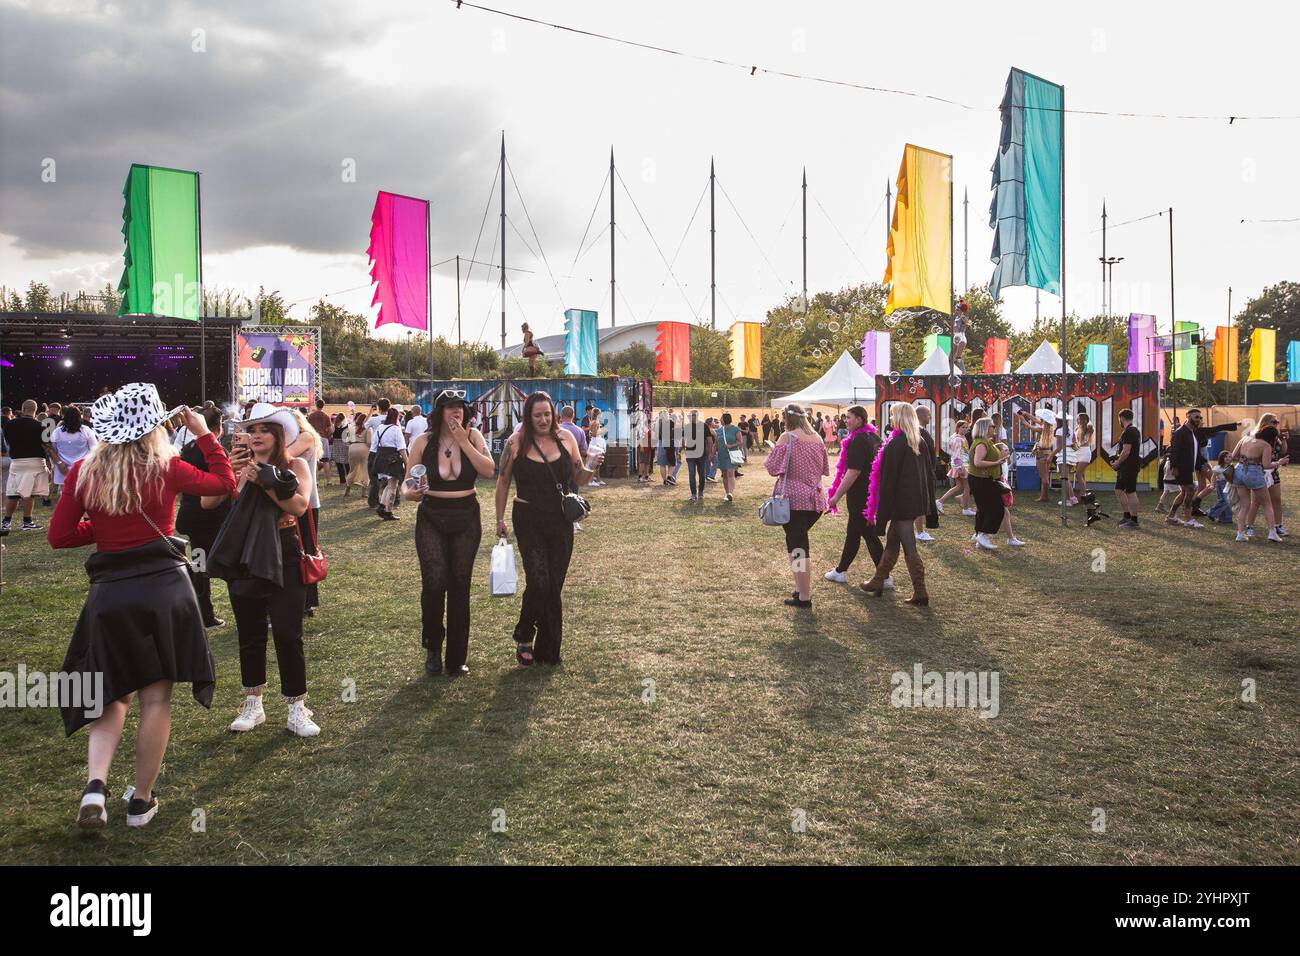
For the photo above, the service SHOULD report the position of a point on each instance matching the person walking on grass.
(377, 419)
(923, 422)
(958, 455)
(28, 476)
(390, 462)
(141, 627)
(851, 484)
(699, 447)
(986, 485)
(448, 528)
(665, 446)
(730, 454)
(258, 552)
(901, 490)
(1270, 432)
(70, 442)
(799, 462)
(1254, 456)
(358, 454)
(1127, 463)
(544, 463)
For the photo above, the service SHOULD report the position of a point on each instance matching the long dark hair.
(433, 422)
(526, 437)
(72, 419)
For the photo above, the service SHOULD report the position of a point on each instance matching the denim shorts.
(1250, 474)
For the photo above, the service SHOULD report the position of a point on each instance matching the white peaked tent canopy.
(1045, 361)
(935, 364)
(843, 384)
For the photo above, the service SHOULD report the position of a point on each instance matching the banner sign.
(1100, 397)
(279, 364)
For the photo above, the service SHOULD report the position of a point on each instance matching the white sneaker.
(1172, 520)
(925, 536)
(839, 577)
(577, 526)
(1192, 523)
(250, 715)
(1282, 531)
(1250, 531)
(968, 512)
(974, 537)
(983, 541)
(1015, 542)
(889, 583)
(938, 506)
(1241, 537)
(1273, 535)
(300, 721)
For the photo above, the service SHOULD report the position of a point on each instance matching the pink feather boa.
(873, 488)
(842, 465)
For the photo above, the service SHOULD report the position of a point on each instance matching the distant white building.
(609, 340)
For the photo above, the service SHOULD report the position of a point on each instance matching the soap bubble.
(954, 379)
(833, 326)
(893, 378)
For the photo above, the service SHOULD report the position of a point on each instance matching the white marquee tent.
(935, 364)
(1045, 361)
(843, 384)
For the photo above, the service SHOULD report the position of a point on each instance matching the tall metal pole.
(503, 240)
(965, 242)
(1173, 322)
(805, 237)
(203, 332)
(613, 303)
(1065, 407)
(888, 214)
(713, 259)
(460, 343)
(1105, 301)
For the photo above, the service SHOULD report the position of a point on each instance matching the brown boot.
(876, 585)
(916, 568)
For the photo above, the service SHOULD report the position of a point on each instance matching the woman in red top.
(141, 628)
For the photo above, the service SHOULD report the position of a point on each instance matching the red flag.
(995, 356)
(673, 352)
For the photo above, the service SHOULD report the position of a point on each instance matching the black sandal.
(520, 651)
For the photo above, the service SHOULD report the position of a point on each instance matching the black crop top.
(535, 481)
(462, 482)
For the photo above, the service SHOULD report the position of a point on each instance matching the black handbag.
(573, 506)
(388, 461)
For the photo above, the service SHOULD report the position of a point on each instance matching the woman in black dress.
(544, 461)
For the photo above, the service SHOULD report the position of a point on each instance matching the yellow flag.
(1263, 360)
(746, 349)
(919, 272)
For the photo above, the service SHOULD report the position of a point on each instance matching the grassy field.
(1120, 691)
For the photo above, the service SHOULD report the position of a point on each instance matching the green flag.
(160, 222)
(1185, 359)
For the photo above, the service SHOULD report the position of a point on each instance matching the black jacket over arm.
(902, 487)
(1182, 459)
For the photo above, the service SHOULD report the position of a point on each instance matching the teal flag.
(1026, 209)
(1293, 361)
(580, 350)
(1096, 359)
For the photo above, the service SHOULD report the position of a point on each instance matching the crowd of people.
(250, 514)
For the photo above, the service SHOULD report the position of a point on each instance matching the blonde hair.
(982, 428)
(903, 417)
(305, 428)
(797, 418)
(115, 478)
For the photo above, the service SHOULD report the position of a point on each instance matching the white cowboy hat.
(128, 414)
(1047, 415)
(264, 413)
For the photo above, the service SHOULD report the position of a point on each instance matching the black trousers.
(372, 494)
(989, 507)
(202, 540)
(447, 535)
(859, 531)
(545, 546)
(283, 607)
(796, 532)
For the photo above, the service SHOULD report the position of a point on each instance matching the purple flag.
(1141, 357)
(399, 260)
(875, 353)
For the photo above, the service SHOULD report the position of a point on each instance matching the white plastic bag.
(502, 578)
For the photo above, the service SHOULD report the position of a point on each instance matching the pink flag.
(875, 353)
(1141, 357)
(399, 260)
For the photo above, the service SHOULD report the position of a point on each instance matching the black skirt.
(140, 624)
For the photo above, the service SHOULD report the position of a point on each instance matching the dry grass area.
(1120, 690)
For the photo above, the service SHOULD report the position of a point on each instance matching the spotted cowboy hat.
(264, 413)
(128, 414)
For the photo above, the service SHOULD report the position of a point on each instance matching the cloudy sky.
(270, 101)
